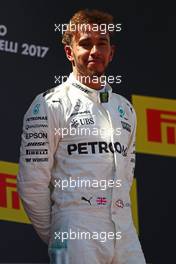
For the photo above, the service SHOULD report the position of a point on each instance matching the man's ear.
(113, 48)
(68, 52)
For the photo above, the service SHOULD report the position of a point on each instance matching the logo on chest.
(82, 121)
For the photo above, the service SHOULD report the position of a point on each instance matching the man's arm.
(37, 150)
(131, 160)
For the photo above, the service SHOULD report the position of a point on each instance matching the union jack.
(101, 200)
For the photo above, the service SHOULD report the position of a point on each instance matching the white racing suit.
(76, 168)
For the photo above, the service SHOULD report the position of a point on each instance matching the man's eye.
(102, 43)
(85, 44)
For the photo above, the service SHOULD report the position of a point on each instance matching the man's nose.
(95, 50)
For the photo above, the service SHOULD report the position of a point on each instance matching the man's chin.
(97, 73)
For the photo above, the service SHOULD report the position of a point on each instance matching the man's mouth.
(95, 61)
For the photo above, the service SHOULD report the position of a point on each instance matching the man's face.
(90, 52)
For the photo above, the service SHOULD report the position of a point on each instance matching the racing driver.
(62, 143)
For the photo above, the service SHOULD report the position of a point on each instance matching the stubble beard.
(87, 72)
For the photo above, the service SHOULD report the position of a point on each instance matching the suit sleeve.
(131, 150)
(38, 145)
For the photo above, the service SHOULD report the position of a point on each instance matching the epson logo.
(97, 147)
(36, 135)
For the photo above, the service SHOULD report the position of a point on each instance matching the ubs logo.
(82, 121)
